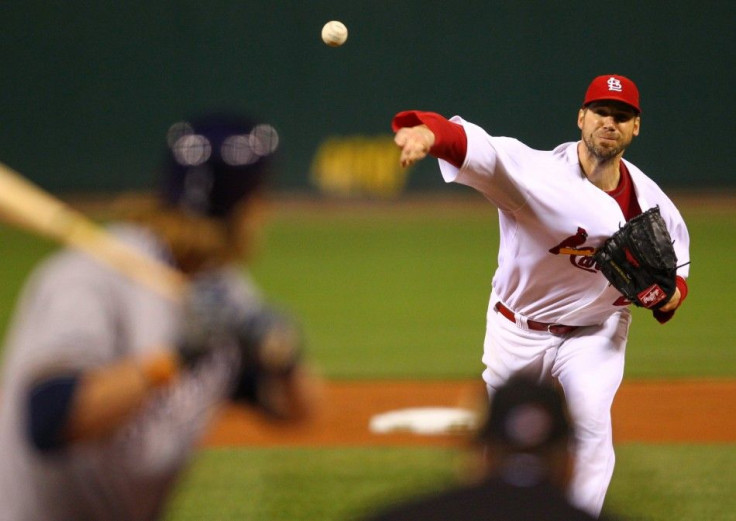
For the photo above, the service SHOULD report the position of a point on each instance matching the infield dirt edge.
(652, 411)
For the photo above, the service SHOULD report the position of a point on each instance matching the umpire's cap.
(216, 160)
(526, 416)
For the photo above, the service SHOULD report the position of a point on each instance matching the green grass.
(399, 293)
(651, 482)
(405, 294)
(674, 482)
(382, 296)
(305, 484)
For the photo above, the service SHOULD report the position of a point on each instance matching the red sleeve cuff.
(407, 118)
(682, 286)
(665, 316)
(450, 141)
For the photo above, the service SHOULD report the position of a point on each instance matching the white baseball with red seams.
(334, 33)
(546, 202)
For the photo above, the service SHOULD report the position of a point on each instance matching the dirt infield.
(652, 411)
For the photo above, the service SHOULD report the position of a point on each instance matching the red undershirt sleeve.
(450, 141)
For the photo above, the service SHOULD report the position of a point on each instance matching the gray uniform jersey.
(76, 314)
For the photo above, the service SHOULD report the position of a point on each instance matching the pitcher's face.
(608, 127)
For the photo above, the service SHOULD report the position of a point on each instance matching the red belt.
(555, 329)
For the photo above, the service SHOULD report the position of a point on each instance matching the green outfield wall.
(89, 89)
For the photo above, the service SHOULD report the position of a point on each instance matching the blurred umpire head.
(527, 433)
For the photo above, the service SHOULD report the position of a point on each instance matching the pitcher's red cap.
(613, 87)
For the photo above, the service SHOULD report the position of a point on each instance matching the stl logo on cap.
(614, 84)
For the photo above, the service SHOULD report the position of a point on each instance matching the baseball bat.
(26, 205)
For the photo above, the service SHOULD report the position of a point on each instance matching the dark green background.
(88, 89)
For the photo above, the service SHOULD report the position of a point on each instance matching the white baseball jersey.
(77, 314)
(543, 199)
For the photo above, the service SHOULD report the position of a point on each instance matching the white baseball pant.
(589, 365)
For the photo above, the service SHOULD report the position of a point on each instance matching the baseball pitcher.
(576, 224)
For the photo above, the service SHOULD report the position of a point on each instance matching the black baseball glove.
(639, 260)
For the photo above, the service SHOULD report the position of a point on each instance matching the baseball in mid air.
(334, 33)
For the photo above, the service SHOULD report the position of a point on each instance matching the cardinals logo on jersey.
(580, 256)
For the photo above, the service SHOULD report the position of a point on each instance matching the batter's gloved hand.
(211, 318)
(639, 260)
(271, 345)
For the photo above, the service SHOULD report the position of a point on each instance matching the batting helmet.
(214, 161)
